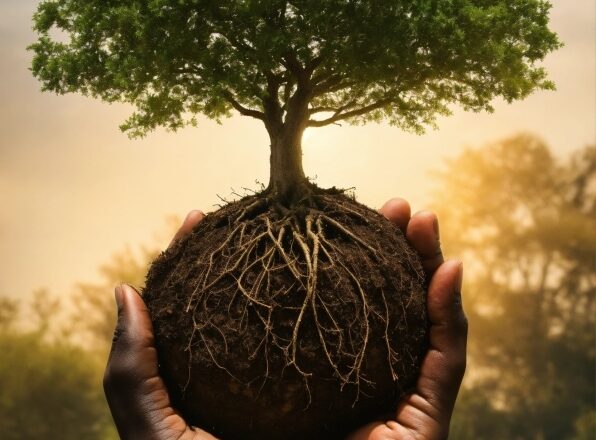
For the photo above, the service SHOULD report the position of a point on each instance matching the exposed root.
(253, 252)
(290, 307)
(251, 209)
(351, 235)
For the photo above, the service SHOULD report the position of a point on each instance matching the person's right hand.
(136, 394)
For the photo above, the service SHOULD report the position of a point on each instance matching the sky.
(74, 189)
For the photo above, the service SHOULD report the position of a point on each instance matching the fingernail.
(118, 294)
(436, 227)
(133, 288)
(460, 278)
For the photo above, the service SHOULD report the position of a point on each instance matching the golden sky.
(74, 189)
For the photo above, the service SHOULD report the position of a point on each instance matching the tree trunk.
(287, 181)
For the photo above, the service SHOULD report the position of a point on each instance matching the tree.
(8, 311)
(52, 367)
(50, 390)
(293, 64)
(525, 226)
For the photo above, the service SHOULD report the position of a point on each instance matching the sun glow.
(307, 136)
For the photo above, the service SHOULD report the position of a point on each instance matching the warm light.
(307, 135)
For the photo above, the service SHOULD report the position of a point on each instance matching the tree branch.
(331, 84)
(313, 64)
(339, 116)
(289, 84)
(273, 110)
(295, 68)
(323, 81)
(292, 63)
(322, 109)
(241, 109)
(336, 110)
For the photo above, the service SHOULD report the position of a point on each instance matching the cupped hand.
(426, 413)
(139, 400)
(135, 392)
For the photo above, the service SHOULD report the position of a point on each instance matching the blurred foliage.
(8, 313)
(52, 360)
(49, 390)
(95, 310)
(524, 223)
(585, 426)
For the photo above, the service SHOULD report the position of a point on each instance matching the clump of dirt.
(288, 323)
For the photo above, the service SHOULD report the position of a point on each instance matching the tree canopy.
(352, 60)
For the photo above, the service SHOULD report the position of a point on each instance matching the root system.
(288, 323)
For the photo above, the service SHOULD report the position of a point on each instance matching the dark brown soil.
(276, 323)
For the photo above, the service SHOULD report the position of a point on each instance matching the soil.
(289, 323)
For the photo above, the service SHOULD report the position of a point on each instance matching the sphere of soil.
(277, 323)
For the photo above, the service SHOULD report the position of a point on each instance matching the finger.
(423, 235)
(445, 363)
(135, 392)
(133, 342)
(427, 412)
(377, 431)
(397, 211)
(191, 220)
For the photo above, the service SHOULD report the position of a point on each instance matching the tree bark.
(287, 181)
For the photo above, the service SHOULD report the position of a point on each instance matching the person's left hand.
(425, 414)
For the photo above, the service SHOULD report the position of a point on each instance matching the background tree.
(525, 225)
(94, 318)
(53, 361)
(293, 64)
(8, 313)
(50, 389)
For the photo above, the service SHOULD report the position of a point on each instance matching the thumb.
(133, 350)
(445, 363)
(448, 328)
(137, 396)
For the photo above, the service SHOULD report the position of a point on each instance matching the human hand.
(426, 413)
(140, 403)
(136, 394)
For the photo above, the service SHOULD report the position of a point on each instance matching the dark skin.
(141, 407)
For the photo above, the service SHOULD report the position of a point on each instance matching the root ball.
(277, 323)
